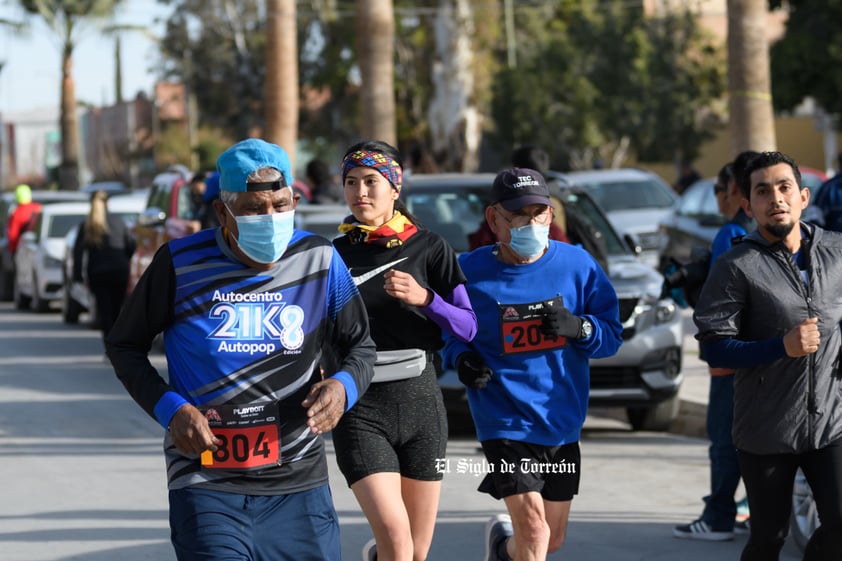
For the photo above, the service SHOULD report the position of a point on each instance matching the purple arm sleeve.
(453, 313)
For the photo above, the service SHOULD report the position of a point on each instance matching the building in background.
(117, 143)
(27, 146)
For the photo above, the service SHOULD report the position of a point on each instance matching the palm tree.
(69, 19)
(751, 115)
(375, 29)
(281, 83)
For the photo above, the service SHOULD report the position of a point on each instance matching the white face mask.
(530, 240)
(264, 237)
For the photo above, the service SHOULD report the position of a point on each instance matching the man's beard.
(779, 230)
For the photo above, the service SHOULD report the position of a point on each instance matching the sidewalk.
(694, 389)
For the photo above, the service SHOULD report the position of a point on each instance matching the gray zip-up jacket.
(754, 295)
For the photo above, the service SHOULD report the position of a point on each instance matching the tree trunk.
(281, 84)
(118, 70)
(375, 25)
(752, 119)
(455, 121)
(68, 173)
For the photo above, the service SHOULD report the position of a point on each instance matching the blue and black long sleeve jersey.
(237, 336)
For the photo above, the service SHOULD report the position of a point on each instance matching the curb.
(691, 419)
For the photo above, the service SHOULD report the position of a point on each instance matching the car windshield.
(451, 215)
(586, 209)
(629, 195)
(185, 208)
(159, 198)
(699, 199)
(61, 224)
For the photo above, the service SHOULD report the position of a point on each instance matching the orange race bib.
(249, 436)
(520, 327)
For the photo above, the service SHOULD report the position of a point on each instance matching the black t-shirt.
(395, 324)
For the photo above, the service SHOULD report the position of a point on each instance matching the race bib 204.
(520, 327)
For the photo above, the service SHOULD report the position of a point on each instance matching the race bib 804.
(249, 436)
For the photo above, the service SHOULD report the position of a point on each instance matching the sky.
(30, 77)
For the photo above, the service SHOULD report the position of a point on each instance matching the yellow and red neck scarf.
(393, 233)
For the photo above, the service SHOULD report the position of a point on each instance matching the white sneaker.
(497, 529)
(370, 550)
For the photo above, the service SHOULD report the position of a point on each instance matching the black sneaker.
(699, 530)
(743, 527)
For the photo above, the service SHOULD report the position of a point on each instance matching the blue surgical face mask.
(264, 237)
(530, 240)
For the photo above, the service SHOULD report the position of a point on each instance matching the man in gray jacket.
(771, 310)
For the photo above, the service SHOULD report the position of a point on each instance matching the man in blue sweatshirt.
(543, 308)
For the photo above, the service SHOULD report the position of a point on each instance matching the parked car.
(692, 223)
(694, 219)
(645, 375)
(321, 219)
(76, 297)
(823, 209)
(636, 201)
(110, 187)
(38, 273)
(168, 215)
(7, 206)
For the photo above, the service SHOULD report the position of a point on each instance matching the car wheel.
(38, 303)
(7, 283)
(804, 518)
(22, 301)
(70, 307)
(656, 417)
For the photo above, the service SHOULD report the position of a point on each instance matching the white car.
(76, 297)
(636, 202)
(38, 273)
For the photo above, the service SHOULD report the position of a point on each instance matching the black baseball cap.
(515, 188)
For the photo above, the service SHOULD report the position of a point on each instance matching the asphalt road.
(83, 474)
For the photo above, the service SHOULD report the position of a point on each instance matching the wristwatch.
(586, 330)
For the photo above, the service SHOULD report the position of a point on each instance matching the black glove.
(473, 372)
(557, 321)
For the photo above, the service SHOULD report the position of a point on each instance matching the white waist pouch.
(399, 365)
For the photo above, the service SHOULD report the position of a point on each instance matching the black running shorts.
(521, 467)
(398, 427)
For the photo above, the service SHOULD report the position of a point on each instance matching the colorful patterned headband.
(383, 164)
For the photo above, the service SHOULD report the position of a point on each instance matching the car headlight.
(665, 311)
(51, 262)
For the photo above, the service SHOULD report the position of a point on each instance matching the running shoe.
(497, 529)
(742, 509)
(370, 550)
(699, 530)
(743, 527)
